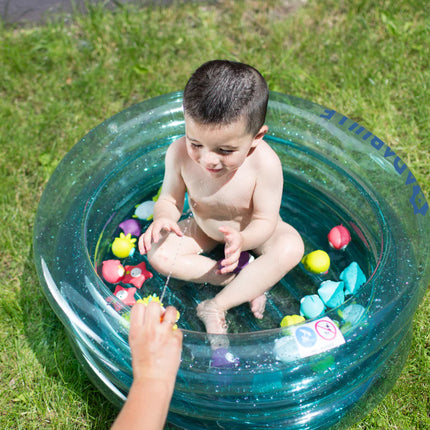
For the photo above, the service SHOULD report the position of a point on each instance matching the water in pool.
(304, 205)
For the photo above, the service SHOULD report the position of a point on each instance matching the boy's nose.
(210, 159)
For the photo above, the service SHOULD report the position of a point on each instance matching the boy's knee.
(294, 249)
(160, 260)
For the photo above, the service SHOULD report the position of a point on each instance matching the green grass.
(366, 59)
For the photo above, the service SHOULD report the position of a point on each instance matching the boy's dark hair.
(222, 92)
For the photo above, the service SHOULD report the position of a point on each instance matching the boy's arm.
(266, 202)
(168, 207)
(171, 200)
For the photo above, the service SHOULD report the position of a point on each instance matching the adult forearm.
(146, 407)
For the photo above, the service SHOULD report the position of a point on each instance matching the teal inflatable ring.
(335, 172)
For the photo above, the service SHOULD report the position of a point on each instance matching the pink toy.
(339, 237)
(131, 226)
(126, 295)
(112, 271)
(136, 275)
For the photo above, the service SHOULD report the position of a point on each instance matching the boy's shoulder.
(266, 157)
(177, 147)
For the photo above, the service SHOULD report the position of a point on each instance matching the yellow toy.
(317, 262)
(290, 320)
(124, 246)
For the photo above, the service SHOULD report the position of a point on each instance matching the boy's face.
(220, 150)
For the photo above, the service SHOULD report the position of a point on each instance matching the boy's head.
(221, 92)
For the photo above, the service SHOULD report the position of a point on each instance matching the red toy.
(339, 237)
(136, 275)
(113, 271)
(126, 295)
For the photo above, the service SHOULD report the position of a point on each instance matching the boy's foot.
(213, 318)
(258, 305)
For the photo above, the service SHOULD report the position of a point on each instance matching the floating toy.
(333, 168)
(292, 320)
(126, 295)
(352, 313)
(136, 275)
(112, 271)
(311, 306)
(353, 277)
(285, 349)
(316, 262)
(145, 211)
(222, 357)
(123, 246)
(131, 226)
(339, 237)
(331, 293)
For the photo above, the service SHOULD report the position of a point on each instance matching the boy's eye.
(195, 145)
(225, 151)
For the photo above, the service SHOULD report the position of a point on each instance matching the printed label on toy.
(317, 336)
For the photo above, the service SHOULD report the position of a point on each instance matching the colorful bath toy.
(311, 306)
(316, 262)
(353, 277)
(339, 237)
(112, 271)
(353, 313)
(291, 320)
(222, 357)
(285, 349)
(123, 246)
(136, 275)
(331, 293)
(126, 295)
(145, 211)
(131, 226)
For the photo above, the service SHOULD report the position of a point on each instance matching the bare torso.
(224, 201)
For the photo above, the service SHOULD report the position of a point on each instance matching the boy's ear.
(261, 133)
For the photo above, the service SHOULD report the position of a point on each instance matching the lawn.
(366, 59)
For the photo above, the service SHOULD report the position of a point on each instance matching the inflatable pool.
(328, 370)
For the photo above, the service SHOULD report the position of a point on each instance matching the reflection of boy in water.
(234, 182)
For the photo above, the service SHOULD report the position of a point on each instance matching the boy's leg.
(277, 257)
(180, 256)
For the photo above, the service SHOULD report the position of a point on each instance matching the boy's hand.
(153, 233)
(155, 346)
(233, 247)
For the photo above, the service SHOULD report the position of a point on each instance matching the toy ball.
(131, 226)
(331, 293)
(316, 262)
(112, 271)
(311, 306)
(353, 277)
(145, 211)
(222, 357)
(339, 237)
(291, 320)
(123, 246)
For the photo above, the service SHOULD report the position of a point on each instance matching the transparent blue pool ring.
(335, 172)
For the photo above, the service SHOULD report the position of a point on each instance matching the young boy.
(234, 183)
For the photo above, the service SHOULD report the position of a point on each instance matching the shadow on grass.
(48, 340)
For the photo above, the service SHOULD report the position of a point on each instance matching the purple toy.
(221, 357)
(131, 226)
